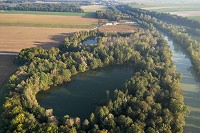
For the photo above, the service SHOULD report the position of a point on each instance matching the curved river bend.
(190, 85)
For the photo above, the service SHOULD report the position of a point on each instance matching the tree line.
(178, 33)
(48, 7)
(151, 101)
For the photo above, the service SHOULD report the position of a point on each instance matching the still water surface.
(92, 40)
(81, 96)
(190, 84)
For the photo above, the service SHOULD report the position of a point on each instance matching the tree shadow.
(90, 15)
(54, 41)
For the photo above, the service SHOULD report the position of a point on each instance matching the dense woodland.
(59, 7)
(178, 33)
(151, 101)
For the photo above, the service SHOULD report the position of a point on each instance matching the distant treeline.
(59, 7)
(111, 14)
(80, 2)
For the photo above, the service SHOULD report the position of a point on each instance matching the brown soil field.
(45, 20)
(119, 28)
(186, 13)
(14, 39)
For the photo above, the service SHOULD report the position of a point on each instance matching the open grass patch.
(175, 9)
(194, 17)
(85, 14)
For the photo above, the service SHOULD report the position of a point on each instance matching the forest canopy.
(151, 101)
(48, 7)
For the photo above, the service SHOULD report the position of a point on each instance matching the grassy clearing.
(48, 25)
(192, 11)
(195, 18)
(164, 5)
(86, 14)
(175, 9)
(93, 8)
(119, 28)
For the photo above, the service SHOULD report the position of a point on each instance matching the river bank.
(190, 86)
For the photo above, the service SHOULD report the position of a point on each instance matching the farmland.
(13, 38)
(119, 28)
(24, 29)
(47, 21)
(86, 14)
(191, 11)
(93, 8)
(153, 98)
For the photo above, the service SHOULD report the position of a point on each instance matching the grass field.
(195, 18)
(93, 8)
(13, 38)
(119, 28)
(191, 11)
(85, 14)
(24, 29)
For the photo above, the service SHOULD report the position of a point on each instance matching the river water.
(80, 97)
(85, 92)
(190, 84)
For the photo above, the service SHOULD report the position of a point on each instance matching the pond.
(190, 84)
(85, 92)
(91, 40)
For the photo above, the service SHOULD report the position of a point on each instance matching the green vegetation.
(50, 25)
(59, 7)
(151, 101)
(175, 9)
(165, 5)
(178, 33)
(85, 14)
(195, 18)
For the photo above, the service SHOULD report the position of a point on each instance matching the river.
(190, 84)
(82, 95)
(85, 92)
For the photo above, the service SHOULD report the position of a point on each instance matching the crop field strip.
(13, 38)
(119, 28)
(47, 21)
(85, 14)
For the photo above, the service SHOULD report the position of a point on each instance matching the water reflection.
(190, 85)
(92, 40)
(83, 94)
